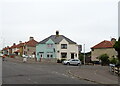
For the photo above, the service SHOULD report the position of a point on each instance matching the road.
(31, 73)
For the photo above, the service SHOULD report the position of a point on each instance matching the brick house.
(29, 47)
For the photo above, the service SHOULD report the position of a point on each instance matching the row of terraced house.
(54, 46)
(26, 48)
(60, 47)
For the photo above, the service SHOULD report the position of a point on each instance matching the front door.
(72, 55)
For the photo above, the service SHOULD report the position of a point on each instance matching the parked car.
(72, 62)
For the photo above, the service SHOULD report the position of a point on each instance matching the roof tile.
(31, 43)
(104, 44)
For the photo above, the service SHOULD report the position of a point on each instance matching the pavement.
(98, 74)
(93, 73)
(29, 60)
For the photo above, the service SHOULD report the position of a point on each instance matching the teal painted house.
(46, 50)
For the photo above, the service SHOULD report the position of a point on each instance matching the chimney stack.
(14, 44)
(20, 41)
(57, 33)
(31, 38)
(113, 40)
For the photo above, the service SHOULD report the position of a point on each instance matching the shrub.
(60, 61)
(113, 60)
(104, 59)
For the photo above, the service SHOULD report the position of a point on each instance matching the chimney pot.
(57, 33)
(113, 40)
(31, 38)
(14, 44)
(20, 41)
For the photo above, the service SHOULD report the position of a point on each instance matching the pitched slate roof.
(104, 44)
(57, 39)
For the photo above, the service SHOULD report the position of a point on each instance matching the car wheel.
(68, 63)
(78, 64)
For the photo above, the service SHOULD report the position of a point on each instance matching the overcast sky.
(83, 21)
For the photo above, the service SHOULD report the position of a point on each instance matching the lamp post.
(84, 54)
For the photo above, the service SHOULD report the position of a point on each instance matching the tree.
(117, 48)
(104, 59)
(81, 57)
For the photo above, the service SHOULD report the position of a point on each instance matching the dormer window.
(63, 46)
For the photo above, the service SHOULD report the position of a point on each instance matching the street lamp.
(84, 54)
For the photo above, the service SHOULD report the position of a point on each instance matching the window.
(51, 56)
(63, 55)
(48, 56)
(73, 60)
(24, 47)
(49, 45)
(38, 53)
(63, 46)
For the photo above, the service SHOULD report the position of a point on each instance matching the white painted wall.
(14, 49)
(71, 48)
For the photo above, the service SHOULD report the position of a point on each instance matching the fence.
(114, 69)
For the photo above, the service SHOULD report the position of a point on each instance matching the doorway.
(72, 55)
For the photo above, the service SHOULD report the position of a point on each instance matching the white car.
(72, 62)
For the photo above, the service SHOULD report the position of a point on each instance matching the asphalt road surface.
(32, 73)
